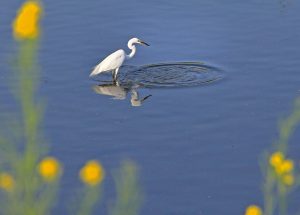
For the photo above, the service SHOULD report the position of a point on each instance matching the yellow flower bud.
(7, 182)
(288, 179)
(92, 173)
(26, 24)
(253, 210)
(49, 168)
(276, 159)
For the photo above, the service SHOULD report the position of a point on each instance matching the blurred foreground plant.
(29, 180)
(253, 210)
(7, 182)
(50, 169)
(92, 175)
(26, 24)
(129, 196)
(22, 150)
(280, 174)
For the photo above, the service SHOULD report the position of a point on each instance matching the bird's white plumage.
(111, 62)
(115, 60)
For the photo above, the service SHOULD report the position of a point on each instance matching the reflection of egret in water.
(164, 75)
(135, 101)
(117, 91)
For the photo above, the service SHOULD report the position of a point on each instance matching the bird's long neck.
(133, 50)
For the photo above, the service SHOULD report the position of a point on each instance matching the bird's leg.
(113, 75)
(116, 73)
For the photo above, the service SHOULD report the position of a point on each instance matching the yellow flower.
(49, 168)
(288, 179)
(276, 159)
(253, 210)
(26, 24)
(7, 182)
(92, 173)
(287, 165)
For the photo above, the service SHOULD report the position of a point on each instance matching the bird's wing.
(111, 62)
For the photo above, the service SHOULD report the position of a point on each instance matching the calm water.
(197, 147)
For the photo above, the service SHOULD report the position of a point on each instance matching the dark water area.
(198, 148)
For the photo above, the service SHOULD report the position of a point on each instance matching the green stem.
(90, 197)
(268, 188)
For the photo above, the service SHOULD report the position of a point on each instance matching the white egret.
(114, 61)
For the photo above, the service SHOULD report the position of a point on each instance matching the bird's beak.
(144, 43)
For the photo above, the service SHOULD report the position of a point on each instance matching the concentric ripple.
(164, 75)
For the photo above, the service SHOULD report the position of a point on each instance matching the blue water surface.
(197, 148)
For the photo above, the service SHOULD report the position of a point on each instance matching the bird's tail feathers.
(95, 71)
